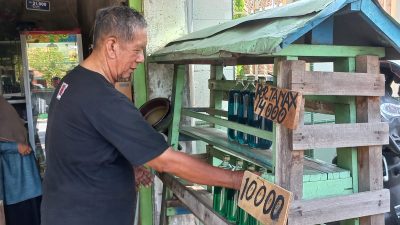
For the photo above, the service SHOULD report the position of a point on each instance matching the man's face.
(130, 54)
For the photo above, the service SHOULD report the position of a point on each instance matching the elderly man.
(95, 135)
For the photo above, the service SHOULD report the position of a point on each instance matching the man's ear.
(111, 47)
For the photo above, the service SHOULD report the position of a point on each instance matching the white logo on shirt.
(63, 87)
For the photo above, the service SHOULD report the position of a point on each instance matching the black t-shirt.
(94, 137)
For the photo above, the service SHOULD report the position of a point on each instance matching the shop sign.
(265, 201)
(38, 5)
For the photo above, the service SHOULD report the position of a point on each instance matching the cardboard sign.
(278, 104)
(38, 5)
(264, 200)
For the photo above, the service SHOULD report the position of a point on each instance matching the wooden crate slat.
(194, 202)
(340, 135)
(317, 211)
(338, 83)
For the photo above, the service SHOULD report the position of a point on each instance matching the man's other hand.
(143, 177)
(24, 149)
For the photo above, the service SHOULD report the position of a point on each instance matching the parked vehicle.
(390, 112)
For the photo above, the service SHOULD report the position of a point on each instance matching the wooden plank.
(325, 210)
(200, 208)
(278, 104)
(319, 107)
(338, 83)
(288, 163)
(340, 135)
(369, 158)
(264, 200)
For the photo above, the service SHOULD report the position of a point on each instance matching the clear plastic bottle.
(219, 196)
(246, 109)
(234, 99)
(232, 197)
(262, 123)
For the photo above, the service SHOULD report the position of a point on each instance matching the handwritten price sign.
(278, 104)
(265, 201)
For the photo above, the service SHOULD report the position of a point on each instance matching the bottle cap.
(227, 157)
(251, 77)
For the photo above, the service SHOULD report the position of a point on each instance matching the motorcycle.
(390, 113)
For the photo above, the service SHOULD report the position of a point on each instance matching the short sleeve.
(121, 124)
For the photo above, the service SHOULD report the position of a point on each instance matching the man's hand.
(237, 177)
(143, 177)
(24, 149)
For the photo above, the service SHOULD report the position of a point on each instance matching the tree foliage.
(50, 61)
(239, 9)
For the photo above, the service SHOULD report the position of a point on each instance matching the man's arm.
(195, 170)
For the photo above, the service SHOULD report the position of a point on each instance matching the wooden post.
(369, 158)
(288, 163)
(173, 132)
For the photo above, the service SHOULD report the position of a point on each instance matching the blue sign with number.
(38, 5)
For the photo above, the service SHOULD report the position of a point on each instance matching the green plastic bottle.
(232, 198)
(220, 194)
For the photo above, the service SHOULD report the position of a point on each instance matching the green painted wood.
(173, 131)
(229, 124)
(140, 85)
(346, 113)
(277, 60)
(177, 93)
(140, 97)
(320, 188)
(301, 50)
(136, 4)
(216, 96)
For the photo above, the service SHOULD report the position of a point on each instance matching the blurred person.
(55, 81)
(20, 176)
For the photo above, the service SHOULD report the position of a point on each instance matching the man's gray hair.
(119, 21)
